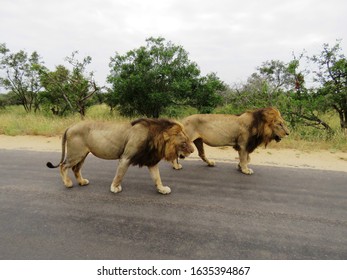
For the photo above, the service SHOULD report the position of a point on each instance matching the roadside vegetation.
(15, 121)
(159, 80)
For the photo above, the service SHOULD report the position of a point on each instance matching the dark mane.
(147, 155)
(257, 138)
(151, 152)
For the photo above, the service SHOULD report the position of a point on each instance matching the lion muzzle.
(187, 149)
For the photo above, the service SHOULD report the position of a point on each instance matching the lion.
(143, 142)
(244, 132)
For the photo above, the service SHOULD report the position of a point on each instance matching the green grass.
(15, 121)
(333, 143)
(309, 138)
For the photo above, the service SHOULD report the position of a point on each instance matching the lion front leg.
(154, 171)
(121, 170)
(176, 165)
(244, 160)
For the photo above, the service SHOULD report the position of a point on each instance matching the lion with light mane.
(143, 142)
(244, 132)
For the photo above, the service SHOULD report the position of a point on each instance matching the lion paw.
(177, 166)
(68, 183)
(211, 163)
(246, 170)
(164, 190)
(84, 182)
(116, 189)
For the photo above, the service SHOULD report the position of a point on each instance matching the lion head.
(267, 125)
(275, 128)
(166, 139)
(177, 143)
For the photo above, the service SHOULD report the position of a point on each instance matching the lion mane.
(143, 142)
(261, 128)
(154, 148)
(244, 132)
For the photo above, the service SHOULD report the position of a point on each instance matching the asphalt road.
(212, 213)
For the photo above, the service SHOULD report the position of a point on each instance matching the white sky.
(228, 37)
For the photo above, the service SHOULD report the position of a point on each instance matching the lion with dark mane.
(143, 142)
(244, 132)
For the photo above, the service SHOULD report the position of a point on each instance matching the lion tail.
(63, 144)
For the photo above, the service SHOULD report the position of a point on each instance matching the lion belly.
(108, 144)
(106, 148)
(213, 132)
(104, 140)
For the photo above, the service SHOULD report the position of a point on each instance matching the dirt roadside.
(324, 160)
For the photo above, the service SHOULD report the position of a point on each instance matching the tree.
(147, 80)
(332, 74)
(281, 85)
(22, 76)
(204, 97)
(303, 105)
(69, 91)
(264, 88)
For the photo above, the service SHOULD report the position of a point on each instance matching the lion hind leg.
(155, 174)
(77, 171)
(74, 161)
(64, 175)
(200, 147)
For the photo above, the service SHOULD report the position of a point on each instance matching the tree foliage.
(283, 85)
(160, 76)
(302, 104)
(21, 76)
(147, 80)
(69, 91)
(332, 75)
(264, 88)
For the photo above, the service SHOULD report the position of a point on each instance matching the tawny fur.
(142, 142)
(244, 132)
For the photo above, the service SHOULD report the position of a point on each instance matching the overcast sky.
(228, 37)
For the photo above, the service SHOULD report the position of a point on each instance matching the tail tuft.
(50, 165)
(63, 142)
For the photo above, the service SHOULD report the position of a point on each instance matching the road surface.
(212, 213)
